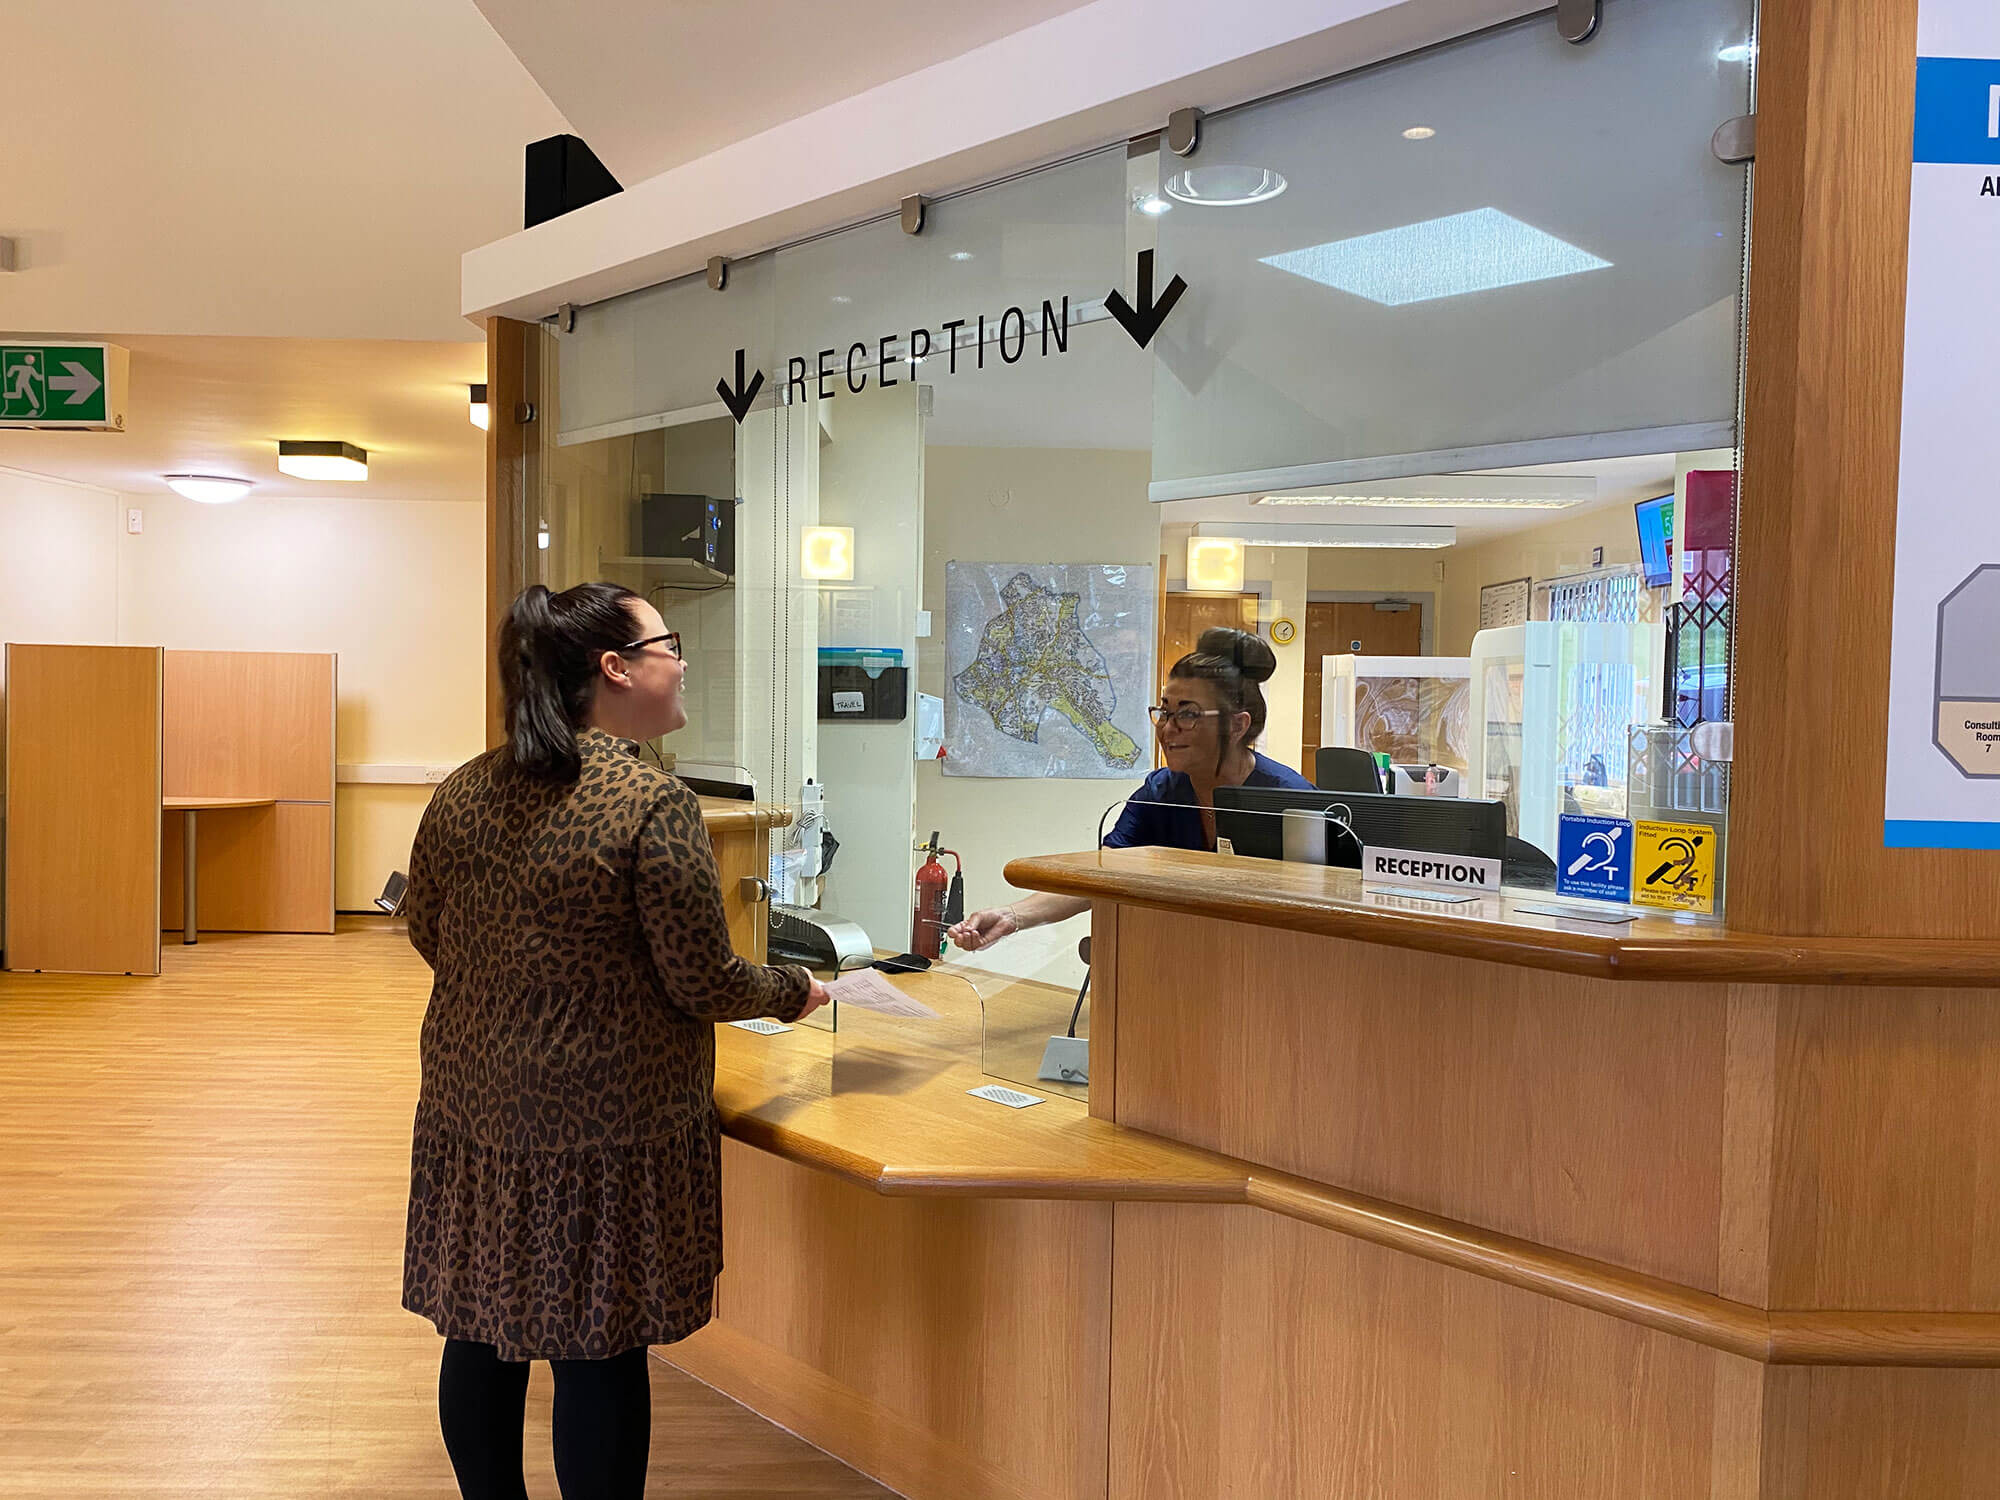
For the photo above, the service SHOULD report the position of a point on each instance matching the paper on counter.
(866, 989)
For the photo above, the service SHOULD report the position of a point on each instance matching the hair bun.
(1253, 656)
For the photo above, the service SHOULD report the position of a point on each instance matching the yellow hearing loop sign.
(1673, 865)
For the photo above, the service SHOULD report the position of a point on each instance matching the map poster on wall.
(1051, 669)
(1504, 604)
(1944, 651)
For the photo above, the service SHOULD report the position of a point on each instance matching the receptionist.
(1209, 715)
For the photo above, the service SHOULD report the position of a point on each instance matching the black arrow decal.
(738, 401)
(1145, 322)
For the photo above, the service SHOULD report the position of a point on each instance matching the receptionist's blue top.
(1163, 812)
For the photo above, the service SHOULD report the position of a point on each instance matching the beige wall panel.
(1885, 1182)
(1583, 1115)
(261, 869)
(1258, 1358)
(83, 808)
(250, 724)
(983, 1323)
(1834, 1434)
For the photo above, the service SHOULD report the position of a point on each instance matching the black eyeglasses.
(672, 639)
(1184, 716)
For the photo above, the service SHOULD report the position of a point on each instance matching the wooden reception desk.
(1379, 1200)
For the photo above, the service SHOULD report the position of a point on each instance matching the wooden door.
(1359, 629)
(1183, 617)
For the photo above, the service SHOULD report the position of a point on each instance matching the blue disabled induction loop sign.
(1594, 858)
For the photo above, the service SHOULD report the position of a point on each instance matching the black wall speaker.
(563, 174)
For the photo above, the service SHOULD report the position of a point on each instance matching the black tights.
(603, 1423)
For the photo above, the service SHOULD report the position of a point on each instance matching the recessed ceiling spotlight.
(1418, 133)
(1740, 52)
(1224, 186)
(322, 460)
(961, 255)
(1151, 203)
(209, 489)
(842, 298)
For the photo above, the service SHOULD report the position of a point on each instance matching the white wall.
(871, 477)
(1023, 505)
(396, 589)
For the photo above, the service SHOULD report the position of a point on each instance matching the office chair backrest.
(1341, 768)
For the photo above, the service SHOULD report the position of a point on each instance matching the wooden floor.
(202, 1185)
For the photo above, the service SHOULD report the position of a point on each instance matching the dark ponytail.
(1236, 662)
(550, 645)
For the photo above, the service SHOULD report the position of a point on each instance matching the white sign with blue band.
(1944, 664)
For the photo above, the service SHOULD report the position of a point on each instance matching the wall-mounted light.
(322, 460)
(482, 414)
(1419, 133)
(542, 537)
(209, 489)
(827, 552)
(1215, 564)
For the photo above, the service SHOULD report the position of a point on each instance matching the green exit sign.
(63, 385)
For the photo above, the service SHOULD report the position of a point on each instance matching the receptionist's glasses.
(1183, 717)
(672, 639)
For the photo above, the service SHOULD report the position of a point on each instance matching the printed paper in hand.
(866, 989)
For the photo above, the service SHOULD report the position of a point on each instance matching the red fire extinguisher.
(940, 901)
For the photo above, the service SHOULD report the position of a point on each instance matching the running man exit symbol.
(63, 385)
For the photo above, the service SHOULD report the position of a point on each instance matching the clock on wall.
(1283, 632)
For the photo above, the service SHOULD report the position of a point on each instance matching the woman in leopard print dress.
(565, 1173)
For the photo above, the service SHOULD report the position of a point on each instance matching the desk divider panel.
(252, 724)
(84, 759)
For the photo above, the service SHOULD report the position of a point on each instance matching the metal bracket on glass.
(718, 273)
(1577, 20)
(1184, 131)
(914, 209)
(524, 413)
(565, 318)
(1735, 140)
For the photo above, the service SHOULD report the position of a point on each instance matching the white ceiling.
(651, 85)
(1620, 482)
(247, 167)
(220, 405)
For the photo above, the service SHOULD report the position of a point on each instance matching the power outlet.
(135, 521)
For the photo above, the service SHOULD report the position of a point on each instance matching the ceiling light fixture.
(961, 255)
(209, 489)
(481, 413)
(1525, 492)
(1475, 251)
(1418, 133)
(1268, 534)
(322, 460)
(1225, 186)
(1150, 203)
(1740, 52)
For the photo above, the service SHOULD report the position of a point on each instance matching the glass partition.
(1447, 423)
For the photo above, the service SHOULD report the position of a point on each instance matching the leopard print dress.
(565, 1174)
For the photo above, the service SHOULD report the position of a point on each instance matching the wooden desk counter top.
(1331, 902)
(883, 1105)
(724, 815)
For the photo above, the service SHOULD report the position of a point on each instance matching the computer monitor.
(1247, 817)
(1655, 520)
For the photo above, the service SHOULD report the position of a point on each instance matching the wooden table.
(189, 808)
